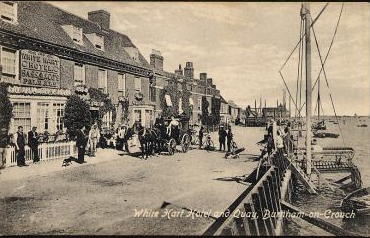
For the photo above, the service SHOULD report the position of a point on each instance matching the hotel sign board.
(39, 69)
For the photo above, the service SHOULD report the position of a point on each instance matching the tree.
(216, 106)
(205, 116)
(6, 109)
(77, 114)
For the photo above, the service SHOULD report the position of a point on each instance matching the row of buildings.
(48, 54)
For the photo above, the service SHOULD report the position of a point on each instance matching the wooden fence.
(259, 212)
(46, 151)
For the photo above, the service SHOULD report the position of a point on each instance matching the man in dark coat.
(229, 139)
(20, 143)
(222, 137)
(81, 140)
(33, 143)
(201, 131)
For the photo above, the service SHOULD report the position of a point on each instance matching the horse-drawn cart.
(163, 137)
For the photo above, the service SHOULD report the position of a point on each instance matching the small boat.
(358, 202)
(362, 125)
(325, 135)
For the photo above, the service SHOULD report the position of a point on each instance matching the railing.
(46, 151)
(256, 213)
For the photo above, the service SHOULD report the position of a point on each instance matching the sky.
(242, 46)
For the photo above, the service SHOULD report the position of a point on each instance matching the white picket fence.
(47, 151)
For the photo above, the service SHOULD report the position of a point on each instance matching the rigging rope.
(323, 69)
(313, 22)
(298, 68)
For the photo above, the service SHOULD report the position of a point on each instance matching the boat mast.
(307, 18)
(318, 99)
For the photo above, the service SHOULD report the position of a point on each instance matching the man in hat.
(33, 143)
(19, 147)
(81, 141)
(94, 137)
(222, 138)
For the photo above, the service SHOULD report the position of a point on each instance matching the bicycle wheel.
(171, 146)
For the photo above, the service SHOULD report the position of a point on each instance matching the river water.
(330, 195)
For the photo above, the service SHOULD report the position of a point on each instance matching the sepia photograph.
(201, 118)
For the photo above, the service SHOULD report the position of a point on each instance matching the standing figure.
(81, 140)
(229, 139)
(20, 143)
(124, 134)
(94, 137)
(222, 138)
(33, 143)
(121, 137)
(201, 132)
(279, 144)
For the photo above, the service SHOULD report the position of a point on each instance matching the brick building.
(46, 52)
(198, 88)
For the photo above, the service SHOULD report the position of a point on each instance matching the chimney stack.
(179, 71)
(156, 59)
(101, 17)
(203, 76)
(189, 70)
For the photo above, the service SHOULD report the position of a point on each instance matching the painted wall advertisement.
(39, 69)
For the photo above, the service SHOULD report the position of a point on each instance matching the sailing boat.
(359, 122)
(320, 124)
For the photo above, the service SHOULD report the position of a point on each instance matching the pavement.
(117, 194)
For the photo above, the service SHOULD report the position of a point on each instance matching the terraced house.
(48, 54)
(183, 80)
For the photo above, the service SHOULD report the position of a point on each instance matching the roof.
(44, 21)
(223, 99)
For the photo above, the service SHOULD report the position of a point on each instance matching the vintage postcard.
(184, 118)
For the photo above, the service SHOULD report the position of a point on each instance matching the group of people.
(278, 138)
(20, 143)
(87, 141)
(225, 136)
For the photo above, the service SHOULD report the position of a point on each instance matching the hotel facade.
(48, 54)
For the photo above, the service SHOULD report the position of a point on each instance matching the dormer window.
(8, 11)
(74, 32)
(133, 53)
(96, 40)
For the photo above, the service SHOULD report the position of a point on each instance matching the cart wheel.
(185, 143)
(171, 146)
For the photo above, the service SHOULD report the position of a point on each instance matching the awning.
(191, 101)
(168, 100)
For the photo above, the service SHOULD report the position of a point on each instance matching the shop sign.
(39, 69)
(12, 89)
